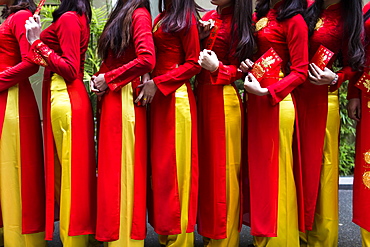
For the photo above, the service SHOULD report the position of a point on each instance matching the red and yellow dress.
(22, 184)
(122, 159)
(318, 130)
(220, 137)
(173, 136)
(68, 129)
(270, 124)
(361, 184)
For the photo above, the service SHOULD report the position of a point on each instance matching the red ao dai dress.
(220, 136)
(270, 122)
(122, 148)
(22, 185)
(361, 185)
(318, 123)
(68, 129)
(173, 136)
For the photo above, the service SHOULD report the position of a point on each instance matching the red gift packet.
(322, 57)
(266, 63)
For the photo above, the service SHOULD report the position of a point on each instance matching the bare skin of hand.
(318, 76)
(204, 28)
(94, 89)
(245, 66)
(208, 60)
(252, 85)
(354, 109)
(148, 90)
(33, 29)
(99, 82)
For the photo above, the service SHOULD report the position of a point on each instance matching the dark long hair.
(178, 15)
(352, 30)
(18, 5)
(117, 31)
(242, 28)
(288, 8)
(80, 6)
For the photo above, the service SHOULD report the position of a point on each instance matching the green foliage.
(347, 135)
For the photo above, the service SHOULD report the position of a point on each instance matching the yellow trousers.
(325, 227)
(233, 157)
(287, 226)
(183, 161)
(61, 115)
(127, 172)
(10, 179)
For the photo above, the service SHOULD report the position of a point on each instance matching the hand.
(145, 78)
(204, 28)
(147, 92)
(33, 29)
(208, 60)
(320, 77)
(251, 85)
(354, 109)
(99, 82)
(245, 66)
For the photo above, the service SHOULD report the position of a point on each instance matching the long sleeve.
(297, 40)
(69, 35)
(354, 92)
(25, 68)
(227, 74)
(144, 48)
(171, 81)
(346, 73)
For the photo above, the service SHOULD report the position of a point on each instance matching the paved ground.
(349, 234)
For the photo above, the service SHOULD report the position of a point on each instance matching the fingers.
(312, 78)
(141, 94)
(92, 87)
(313, 69)
(37, 19)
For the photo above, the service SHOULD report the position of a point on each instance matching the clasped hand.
(33, 29)
(208, 60)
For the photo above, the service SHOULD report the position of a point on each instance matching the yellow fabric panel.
(61, 116)
(365, 236)
(287, 228)
(183, 160)
(127, 171)
(10, 179)
(233, 158)
(325, 228)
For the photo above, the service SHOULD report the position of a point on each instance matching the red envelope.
(364, 83)
(265, 63)
(322, 57)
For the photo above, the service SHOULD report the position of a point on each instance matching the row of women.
(188, 157)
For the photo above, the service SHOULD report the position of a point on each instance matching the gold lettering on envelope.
(266, 62)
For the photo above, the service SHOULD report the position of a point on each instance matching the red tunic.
(212, 214)
(15, 69)
(63, 49)
(138, 59)
(177, 61)
(312, 106)
(289, 39)
(361, 185)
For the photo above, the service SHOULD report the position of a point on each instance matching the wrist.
(335, 80)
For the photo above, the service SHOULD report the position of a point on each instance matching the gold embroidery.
(367, 157)
(367, 84)
(155, 28)
(319, 24)
(261, 23)
(366, 179)
(368, 104)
